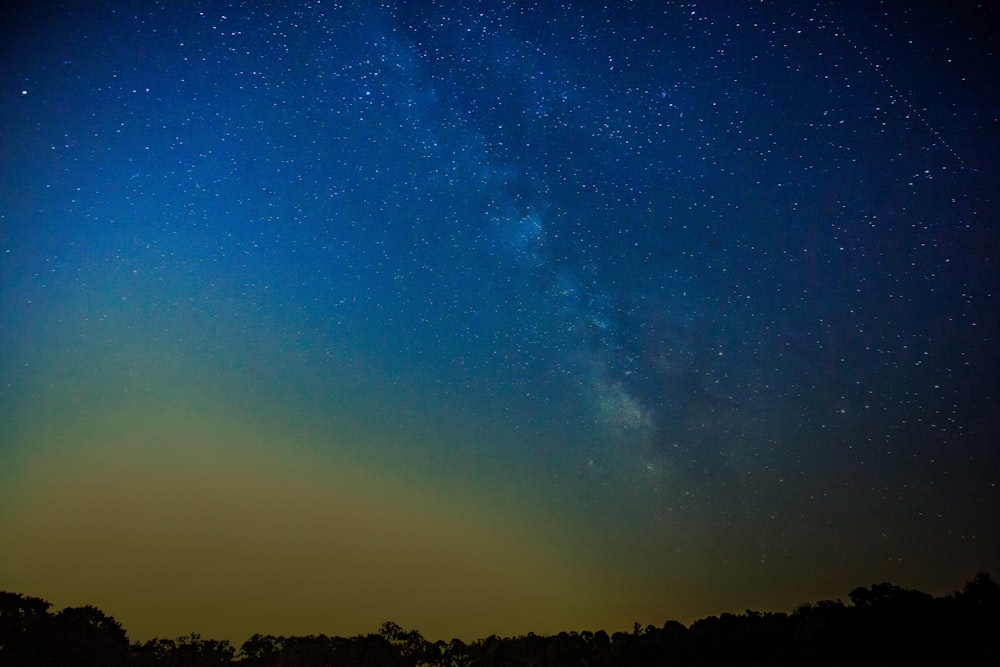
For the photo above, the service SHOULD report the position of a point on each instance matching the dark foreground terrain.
(882, 625)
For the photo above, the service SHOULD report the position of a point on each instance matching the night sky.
(495, 317)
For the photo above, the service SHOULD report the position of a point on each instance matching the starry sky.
(492, 317)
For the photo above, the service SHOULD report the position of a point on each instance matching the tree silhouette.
(88, 636)
(981, 591)
(884, 625)
(24, 626)
(187, 650)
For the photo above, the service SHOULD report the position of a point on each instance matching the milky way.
(442, 312)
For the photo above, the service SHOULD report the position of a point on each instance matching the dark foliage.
(30, 635)
(884, 625)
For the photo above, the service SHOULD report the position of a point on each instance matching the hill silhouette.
(881, 625)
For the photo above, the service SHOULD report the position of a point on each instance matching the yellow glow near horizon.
(206, 538)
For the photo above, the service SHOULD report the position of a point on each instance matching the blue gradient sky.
(491, 319)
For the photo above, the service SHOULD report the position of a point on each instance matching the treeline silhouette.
(882, 625)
